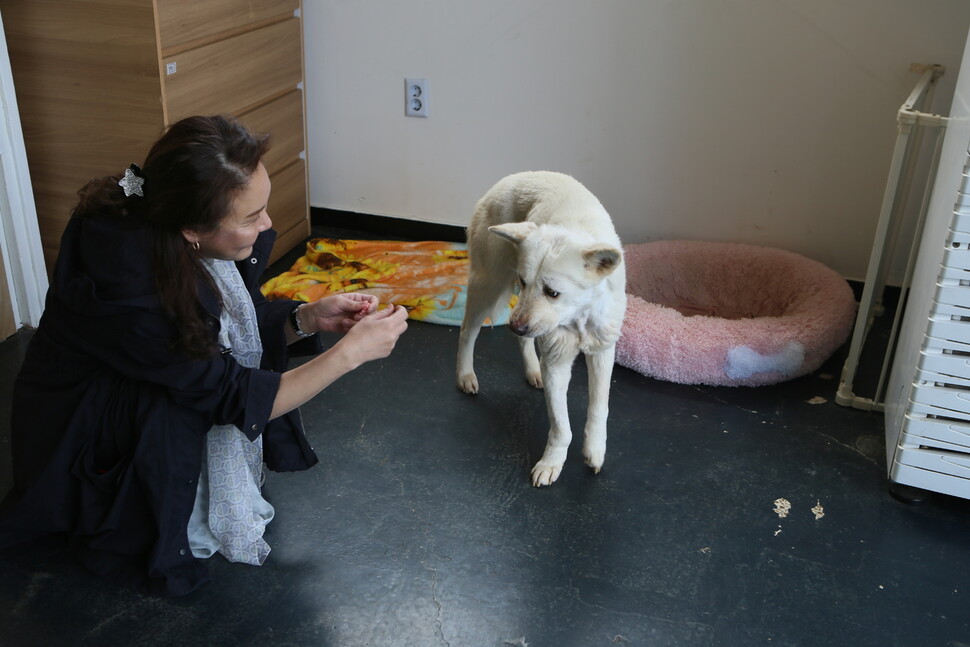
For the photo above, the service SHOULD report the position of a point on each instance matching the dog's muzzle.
(519, 328)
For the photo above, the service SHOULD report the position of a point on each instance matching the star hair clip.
(132, 181)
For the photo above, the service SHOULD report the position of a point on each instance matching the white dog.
(556, 243)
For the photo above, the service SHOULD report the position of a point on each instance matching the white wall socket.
(416, 97)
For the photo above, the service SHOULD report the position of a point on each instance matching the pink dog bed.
(730, 314)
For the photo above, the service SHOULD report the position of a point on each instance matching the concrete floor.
(420, 526)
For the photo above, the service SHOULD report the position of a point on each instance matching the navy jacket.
(108, 420)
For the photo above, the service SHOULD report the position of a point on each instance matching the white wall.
(761, 121)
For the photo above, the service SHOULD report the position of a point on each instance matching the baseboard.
(384, 226)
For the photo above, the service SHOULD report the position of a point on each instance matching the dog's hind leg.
(533, 372)
(599, 366)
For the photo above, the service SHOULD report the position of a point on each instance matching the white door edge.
(23, 254)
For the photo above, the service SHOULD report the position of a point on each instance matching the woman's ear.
(191, 237)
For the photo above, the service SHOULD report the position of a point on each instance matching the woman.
(155, 386)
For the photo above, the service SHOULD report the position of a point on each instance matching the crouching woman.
(155, 388)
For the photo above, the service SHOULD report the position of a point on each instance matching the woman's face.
(234, 237)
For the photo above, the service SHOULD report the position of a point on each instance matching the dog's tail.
(502, 308)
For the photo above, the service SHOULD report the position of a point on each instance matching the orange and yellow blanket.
(427, 277)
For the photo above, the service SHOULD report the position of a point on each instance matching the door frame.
(20, 243)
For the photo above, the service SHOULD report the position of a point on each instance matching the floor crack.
(439, 630)
(851, 448)
(725, 402)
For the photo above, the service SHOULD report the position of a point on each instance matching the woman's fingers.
(375, 335)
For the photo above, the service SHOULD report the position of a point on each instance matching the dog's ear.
(515, 232)
(602, 260)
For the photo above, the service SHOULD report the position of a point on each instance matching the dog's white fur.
(567, 262)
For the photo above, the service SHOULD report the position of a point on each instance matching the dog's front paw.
(534, 378)
(594, 457)
(545, 474)
(468, 383)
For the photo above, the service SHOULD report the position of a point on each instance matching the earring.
(195, 245)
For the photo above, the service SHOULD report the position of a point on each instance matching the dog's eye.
(549, 292)
(521, 282)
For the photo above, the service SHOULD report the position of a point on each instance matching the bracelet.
(295, 320)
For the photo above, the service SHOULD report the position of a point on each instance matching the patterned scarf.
(230, 514)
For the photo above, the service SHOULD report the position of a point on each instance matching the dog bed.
(730, 314)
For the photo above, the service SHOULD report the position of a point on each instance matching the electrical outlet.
(416, 97)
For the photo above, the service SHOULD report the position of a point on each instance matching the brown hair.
(192, 174)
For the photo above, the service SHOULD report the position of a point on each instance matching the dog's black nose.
(518, 328)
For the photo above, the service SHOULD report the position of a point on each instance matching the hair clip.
(132, 181)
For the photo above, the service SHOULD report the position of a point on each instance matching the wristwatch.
(295, 320)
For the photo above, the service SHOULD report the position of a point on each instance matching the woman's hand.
(371, 336)
(374, 335)
(336, 313)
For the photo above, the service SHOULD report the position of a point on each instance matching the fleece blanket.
(429, 278)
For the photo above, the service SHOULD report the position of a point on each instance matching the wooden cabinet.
(98, 81)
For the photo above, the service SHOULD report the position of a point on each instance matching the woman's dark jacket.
(109, 420)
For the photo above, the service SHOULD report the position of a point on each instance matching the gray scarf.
(230, 514)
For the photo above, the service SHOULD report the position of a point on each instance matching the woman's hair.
(192, 175)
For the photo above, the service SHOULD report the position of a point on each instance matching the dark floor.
(420, 526)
